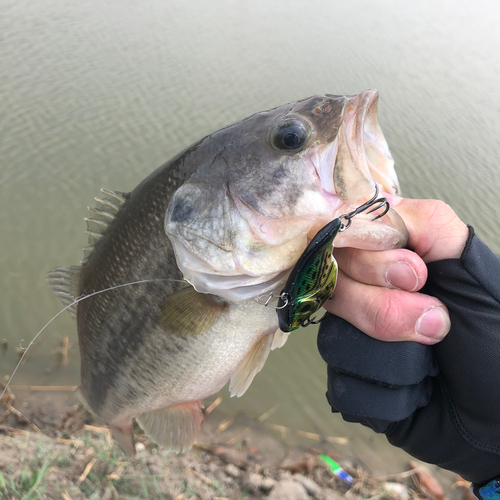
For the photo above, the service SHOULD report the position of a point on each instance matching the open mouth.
(367, 150)
(359, 156)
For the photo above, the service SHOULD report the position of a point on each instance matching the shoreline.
(51, 448)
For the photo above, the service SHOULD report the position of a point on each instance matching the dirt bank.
(51, 448)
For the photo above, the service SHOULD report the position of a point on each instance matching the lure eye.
(307, 307)
(289, 135)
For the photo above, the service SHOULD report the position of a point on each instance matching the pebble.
(139, 447)
(212, 467)
(232, 470)
(267, 484)
(284, 474)
(288, 489)
(311, 487)
(252, 482)
(396, 490)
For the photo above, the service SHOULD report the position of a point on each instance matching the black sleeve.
(442, 403)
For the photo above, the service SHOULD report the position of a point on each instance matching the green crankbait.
(311, 282)
(313, 278)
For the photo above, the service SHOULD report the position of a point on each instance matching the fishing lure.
(313, 278)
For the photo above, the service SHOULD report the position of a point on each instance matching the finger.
(402, 269)
(436, 232)
(390, 315)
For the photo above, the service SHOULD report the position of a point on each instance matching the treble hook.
(374, 203)
(313, 321)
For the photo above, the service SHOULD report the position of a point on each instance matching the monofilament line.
(83, 297)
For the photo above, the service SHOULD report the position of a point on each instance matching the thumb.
(436, 232)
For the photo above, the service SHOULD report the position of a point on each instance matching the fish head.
(262, 188)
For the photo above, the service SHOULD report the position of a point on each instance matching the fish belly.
(164, 385)
(212, 357)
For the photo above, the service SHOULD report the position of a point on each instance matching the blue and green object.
(336, 469)
(490, 491)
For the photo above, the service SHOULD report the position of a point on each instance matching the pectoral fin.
(175, 428)
(250, 365)
(279, 339)
(189, 313)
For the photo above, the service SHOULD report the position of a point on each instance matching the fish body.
(201, 239)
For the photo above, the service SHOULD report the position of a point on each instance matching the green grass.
(45, 469)
(26, 485)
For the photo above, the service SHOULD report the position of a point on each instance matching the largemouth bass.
(215, 228)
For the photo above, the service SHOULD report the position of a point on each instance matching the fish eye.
(289, 135)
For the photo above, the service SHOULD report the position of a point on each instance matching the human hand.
(378, 291)
(437, 403)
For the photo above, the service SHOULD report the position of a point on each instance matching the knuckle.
(387, 317)
(441, 213)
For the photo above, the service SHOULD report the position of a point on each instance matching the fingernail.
(402, 275)
(434, 323)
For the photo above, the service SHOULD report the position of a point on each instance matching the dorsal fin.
(108, 205)
(63, 281)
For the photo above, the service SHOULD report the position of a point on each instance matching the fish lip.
(362, 103)
(362, 133)
(368, 144)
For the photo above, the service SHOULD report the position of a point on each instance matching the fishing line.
(83, 297)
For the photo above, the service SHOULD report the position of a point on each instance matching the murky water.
(98, 94)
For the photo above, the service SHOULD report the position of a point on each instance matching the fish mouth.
(362, 153)
(349, 169)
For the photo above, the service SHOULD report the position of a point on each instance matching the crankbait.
(313, 278)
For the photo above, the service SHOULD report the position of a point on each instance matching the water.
(98, 94)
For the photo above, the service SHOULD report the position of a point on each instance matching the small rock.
(311, 487)
(252, 482)
(284, 474)
(267, 484)
(213, 467)
(232, 471)
(397, 490)
(288, 490)
(230, 481)
(139, 447)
